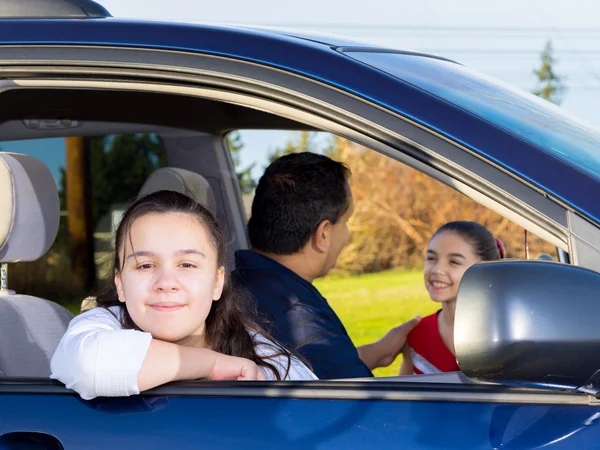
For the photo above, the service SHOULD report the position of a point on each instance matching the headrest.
(183, 181)
(29, 208)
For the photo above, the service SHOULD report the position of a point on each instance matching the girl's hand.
(233, 368)
(166, 362)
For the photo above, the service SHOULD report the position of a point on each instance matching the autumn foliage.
(398, 208)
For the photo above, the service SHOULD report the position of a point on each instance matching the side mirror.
(530, 323)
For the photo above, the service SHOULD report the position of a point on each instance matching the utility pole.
(79, 224)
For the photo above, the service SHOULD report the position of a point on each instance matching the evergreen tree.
(550, 86)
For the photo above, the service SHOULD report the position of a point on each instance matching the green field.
(369, 305)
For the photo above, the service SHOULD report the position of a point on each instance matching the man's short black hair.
(296, 193)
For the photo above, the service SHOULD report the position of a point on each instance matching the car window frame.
(368, 124)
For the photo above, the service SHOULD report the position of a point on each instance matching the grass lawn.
(369, 305)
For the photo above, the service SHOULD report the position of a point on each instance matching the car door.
(299, 415)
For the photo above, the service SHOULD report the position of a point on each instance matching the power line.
(507, 51)
(584, 62)
(410, 28)
(432, 33)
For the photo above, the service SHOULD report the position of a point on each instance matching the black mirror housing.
(530, 323)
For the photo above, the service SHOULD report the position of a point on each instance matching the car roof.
(328, 59)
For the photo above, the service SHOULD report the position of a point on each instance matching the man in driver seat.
(297, 230)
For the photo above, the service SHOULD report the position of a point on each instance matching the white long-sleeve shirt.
(98, 358)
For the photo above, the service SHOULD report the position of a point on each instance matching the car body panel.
(157, 421)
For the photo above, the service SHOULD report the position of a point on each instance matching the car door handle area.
(29, 440)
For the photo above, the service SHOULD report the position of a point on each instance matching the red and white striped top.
(427, 349)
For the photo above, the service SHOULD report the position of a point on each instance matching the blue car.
(528, 333)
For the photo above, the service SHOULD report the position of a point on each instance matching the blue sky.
(49, 151)
(503, 39)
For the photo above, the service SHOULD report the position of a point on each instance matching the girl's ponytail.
(501, 248)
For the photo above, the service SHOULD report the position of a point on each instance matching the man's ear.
(219, 283)
(321, 238)
(119, 285)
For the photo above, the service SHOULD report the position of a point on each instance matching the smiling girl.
(171, 312)
(452, 249)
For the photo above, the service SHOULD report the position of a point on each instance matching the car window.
(96, 177)
(377, 282)
(526, 115)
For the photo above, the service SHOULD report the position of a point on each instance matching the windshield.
(525, 115)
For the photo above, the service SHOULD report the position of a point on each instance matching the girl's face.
(448, 256)
(170, 276)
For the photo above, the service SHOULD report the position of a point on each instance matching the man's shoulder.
(259, 273)
(274, 285)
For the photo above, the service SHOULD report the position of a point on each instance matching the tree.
(397, 208)
(119, 167)
(550, 86)
(244, 176)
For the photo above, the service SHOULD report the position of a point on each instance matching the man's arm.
(383, 352)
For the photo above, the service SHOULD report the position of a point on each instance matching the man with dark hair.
(297, 229)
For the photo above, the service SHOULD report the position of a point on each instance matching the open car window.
(379, 273)
(205, 148)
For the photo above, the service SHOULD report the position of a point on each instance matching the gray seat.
(184, 181)
(30, 327)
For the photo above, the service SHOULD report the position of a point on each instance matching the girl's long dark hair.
(483, 242)
(232, 318)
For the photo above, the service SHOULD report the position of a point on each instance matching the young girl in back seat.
(452, 249)
(170, 313)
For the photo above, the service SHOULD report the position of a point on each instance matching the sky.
(502, 39)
